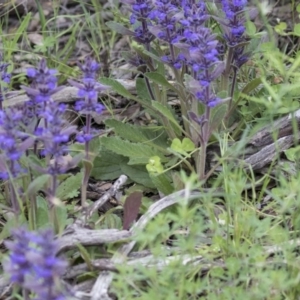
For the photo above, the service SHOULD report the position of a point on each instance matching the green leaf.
(152, 55)
(160, 66)
(117, 87)
(142, 90)
(292, 154)
(37, 184)
(162, 183)
(11, 223)
(251, 86)
(94, 148)
(69, 188)
(177, 181)
(267, 46)
(62, 216)
(297, 29)
(88, 166)
(107, 166)
(139, 160)
(250, 28)
(138, 174)
(85, 255)
(281, 27)
(119, 28)
(157, 135)
(154, 165)
(153, 137)
(17, 34)
(217, 115)
(167, 113)
(288, 107)
(126, 131)
(137, 152)
(188, 145)
(176, 145)
(42, 216)
(182, 147)
(145, 97)
(110, 221)
(160, 79)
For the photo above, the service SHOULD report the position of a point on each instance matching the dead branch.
(88, 237)
(67, 94)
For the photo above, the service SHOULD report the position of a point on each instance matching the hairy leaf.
(126, 131)
(137, 152)
(142, 90)
(119, 28)
(117, 87)
(162, 183)
(160, 79)
(42, 217)
(167, 113)
(69, 188)
(37, 184)
(251, 86)
(137, 174)
(217, 116)
(108, 165)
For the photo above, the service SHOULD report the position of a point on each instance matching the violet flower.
(43, 75)
(234, 27)
(50, 127)
(200, 49)
(88, 90)
(141, 10)
(234, 10)
(166, 15)
(53, 131)
(55, 136)
(13, 142)
(43, 86)
(4, 78)
(32, 264)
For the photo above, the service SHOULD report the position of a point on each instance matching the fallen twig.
(67, 94)
(88, 237)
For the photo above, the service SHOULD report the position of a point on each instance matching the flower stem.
(87, 169)
(204, 143)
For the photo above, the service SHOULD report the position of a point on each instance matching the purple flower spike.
(165, 15)
(43, 75)
(44, 85)
(235, 28)
(141, 10)
(90, 68)
(54, 137)
(50, 128)
(200, 48)
(88, 90)
(13, 141)
(4, 77)
(32, 263)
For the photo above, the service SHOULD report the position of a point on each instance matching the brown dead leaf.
(131, 208)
